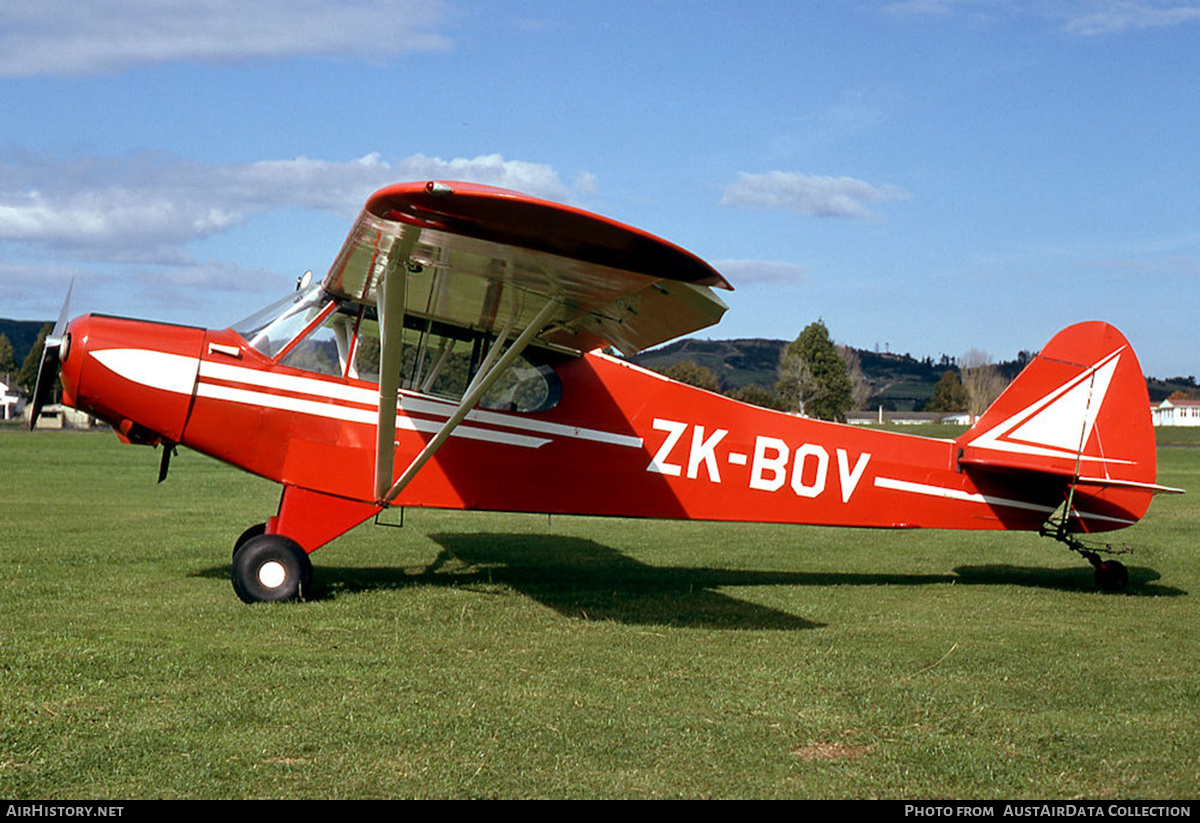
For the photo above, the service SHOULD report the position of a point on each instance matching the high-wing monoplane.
(455, 356)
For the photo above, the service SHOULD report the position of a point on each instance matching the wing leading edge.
(488, 259)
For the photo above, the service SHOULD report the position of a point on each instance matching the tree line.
(817, 378)
(24, 376)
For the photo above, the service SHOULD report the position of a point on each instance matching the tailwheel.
(270, 568)
(1111, 575)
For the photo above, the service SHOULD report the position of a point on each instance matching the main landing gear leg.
(270, 560)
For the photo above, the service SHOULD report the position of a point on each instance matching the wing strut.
(390, 296)
(483, 381)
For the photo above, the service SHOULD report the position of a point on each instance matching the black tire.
(1111, 576)
(254, 531)
(270, 568)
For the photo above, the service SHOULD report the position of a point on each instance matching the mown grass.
(480, 655)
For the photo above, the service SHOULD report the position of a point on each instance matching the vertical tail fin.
(1079, 411)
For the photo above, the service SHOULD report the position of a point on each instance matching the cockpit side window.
(443, 360)
(328, 348)
(438, 359)
(525, 387)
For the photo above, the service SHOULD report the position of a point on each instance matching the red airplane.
(452, 358)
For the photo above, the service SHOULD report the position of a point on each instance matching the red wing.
(487, 259)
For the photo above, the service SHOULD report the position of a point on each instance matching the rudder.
(1079, 411)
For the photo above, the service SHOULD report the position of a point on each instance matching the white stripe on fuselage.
(408, 403)
(986, 499)
(353, 415)
(956, 494)
(178, 373)
(156, 369)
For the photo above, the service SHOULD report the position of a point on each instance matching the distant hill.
(1161, 389)
(899, 382)
(736, 363)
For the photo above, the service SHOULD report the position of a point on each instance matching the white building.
(1176, 413)
(58, 416)
(911, 418)
(12, 402)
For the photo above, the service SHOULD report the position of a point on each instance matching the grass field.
(479, 655)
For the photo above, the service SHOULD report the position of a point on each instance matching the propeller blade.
(48, 367)
(64, 315)
(47, 372)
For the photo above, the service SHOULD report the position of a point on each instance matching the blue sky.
(926, 176)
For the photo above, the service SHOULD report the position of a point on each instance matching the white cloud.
(1087, 18)
(148, 208)
(201, 293)
(923, 7)
(125, 226)
(64, 37)
(536, 179)
(808, 195)
(1116, 17)
(342, 187)
(336, 187)
(760, 271)
(34, 291)
(114, 223)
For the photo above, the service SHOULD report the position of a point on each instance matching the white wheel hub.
(272, 574)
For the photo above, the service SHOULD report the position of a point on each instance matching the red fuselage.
(619, 441)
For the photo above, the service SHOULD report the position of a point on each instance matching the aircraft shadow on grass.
(1072, 578)
(581, 578)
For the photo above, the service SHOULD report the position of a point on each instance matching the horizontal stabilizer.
(1108, 482)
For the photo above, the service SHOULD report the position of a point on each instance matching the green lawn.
(479, 655)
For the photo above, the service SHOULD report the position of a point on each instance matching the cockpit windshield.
(271, 329)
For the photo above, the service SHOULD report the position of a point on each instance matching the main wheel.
(269, 568)
(1111, 576)
(254, 531)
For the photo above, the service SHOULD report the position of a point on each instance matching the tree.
(8, 357)
(812, 377)
(949, 395)
(982, 381)
(755, 396)
(27, 377)
(688, 372)
(860, 386)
